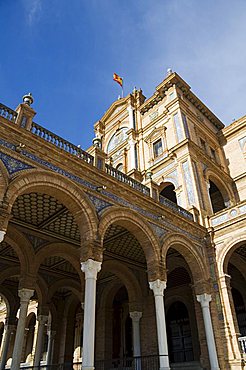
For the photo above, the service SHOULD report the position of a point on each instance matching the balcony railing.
(8, 113)
(56, 140)
(175, 207)
(242, 342)
(228, 214)
(110, 170)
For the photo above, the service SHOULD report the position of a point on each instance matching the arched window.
(216, 197)
(179, 333)
(169, 193)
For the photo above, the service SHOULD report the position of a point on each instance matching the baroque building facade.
(130, 255)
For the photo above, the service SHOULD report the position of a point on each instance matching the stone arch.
(41, 289)
(22, 248)
(70, 284)
(136, 225)
(225, 254)
(61, 188)
(127, 278)
(8, 272)
(224, 188)
(188, 250)
(64, 250)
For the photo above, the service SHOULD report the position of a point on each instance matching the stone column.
(51, 336)
(8, 330)
(90, 268)
(25, 295)
(42, 320)
(136, 316)
(204, 300)
(131, 116)
(158, 287)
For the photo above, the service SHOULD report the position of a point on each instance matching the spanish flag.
(118, 79)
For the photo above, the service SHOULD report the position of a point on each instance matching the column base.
(88, 367)
(165, 368)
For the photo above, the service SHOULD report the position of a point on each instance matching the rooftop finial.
(169, 71)
(28, 99)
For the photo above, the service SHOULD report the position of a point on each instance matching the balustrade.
(175, 207)
(242, 342)
(8, 113)
(120, 176)
(59, 142)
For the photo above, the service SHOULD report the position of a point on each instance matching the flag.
(118, 79)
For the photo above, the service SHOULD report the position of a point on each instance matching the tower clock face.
(118, 137)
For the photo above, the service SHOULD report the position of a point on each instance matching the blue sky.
(65, 53)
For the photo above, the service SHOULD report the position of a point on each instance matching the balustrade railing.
(56, 140)
(110, 170)
(175, 207)
(8, 113)
(242, 342)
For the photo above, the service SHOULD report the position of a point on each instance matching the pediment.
(116, 107)
(154, 134)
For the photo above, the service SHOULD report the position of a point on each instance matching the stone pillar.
(136, 316)
(51, 336)
(25, 295)
(131, 158)
(204, 300)
(8, 330)
(77, 337)
(42, 320)
(131, 117)
(90, 268)
(158, 287)
(231, 334)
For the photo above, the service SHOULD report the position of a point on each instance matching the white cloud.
(33, 10)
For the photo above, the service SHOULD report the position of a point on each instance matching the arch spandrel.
(61, 188)
(192, 256)
(4, 180)
(138, 227)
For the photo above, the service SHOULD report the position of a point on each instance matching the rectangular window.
(203, 144)
(157, 148)
(213, 154)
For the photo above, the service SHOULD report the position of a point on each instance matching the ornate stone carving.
(158, 287)
(91, 268)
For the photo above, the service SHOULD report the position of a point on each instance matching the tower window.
(157, 148)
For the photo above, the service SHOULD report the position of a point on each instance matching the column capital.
(158, 287)
(204, 299)
(2, 235)
(25, 294)
(43, 319)
(136, 316)
(91, 268)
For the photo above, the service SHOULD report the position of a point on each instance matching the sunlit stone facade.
(130, 255)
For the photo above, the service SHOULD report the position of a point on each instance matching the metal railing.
(8, 113)
(128, 363)
(59, 142)
(175, 207)
(110, 170)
